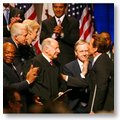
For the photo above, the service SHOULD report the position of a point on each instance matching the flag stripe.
(83, 12)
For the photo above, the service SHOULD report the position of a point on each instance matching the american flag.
(29, 13)
(84, 13)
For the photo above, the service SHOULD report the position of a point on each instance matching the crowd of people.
(68, 76)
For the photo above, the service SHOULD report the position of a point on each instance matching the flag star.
(77, 13)
(73, 3)
(73, 13)
(69, 5)
(20, 7)
(24, 6)
(77, 7)
(69, 15)
(68, 10)
(80, 6)
(89, 8)
(93, 17)
(73, 8)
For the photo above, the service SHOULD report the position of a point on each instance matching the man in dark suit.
(101, 77)
(76, 72)
(48, 85)
(64, 29)
(19, 33)
(14, 15)
(12, 77)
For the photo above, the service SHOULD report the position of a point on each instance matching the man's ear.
(75, 53)
(95, 49)
(15, 38)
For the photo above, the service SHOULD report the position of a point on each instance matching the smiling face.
(59, 9)
(53, 50)
(31, 36)
(8, 52)
(81, 52)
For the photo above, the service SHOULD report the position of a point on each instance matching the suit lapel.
(77, 68)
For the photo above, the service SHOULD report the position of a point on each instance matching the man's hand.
(32, 74)
(85, 67)
(14, 20)
(63, 76)
(60, 93)
(58, 29)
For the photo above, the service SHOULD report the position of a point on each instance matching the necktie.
(15, 70)
(51, 62)
(59, 22)
(61, 34)
(7, 15)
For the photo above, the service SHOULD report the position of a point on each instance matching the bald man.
(48, 85)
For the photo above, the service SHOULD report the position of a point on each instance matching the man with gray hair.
(74, 75)
(47, 85)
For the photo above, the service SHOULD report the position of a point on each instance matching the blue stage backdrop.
(104, 18)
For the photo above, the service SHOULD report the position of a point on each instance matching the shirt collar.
(96, 57)
(46, 57)
(80, 63)
(61, 18)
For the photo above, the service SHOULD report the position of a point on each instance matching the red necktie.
(51, 62)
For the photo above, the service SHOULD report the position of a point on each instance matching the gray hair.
(16, 29)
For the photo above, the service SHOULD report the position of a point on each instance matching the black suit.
(18, 60)
(102, 74)
(47, 84)
(10, 78)
(71, 35)
(13, 12)
(78, 86)
(14, 79)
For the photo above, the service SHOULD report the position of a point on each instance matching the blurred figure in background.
(12, 102)
(107, 38)
(10, 16)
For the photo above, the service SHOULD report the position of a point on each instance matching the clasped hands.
(58, 29)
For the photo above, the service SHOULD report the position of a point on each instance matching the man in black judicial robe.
(47, 85)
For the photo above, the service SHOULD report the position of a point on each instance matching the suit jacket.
(15, 80)
(77, 84)
(47, 84)
(18, 60)
(13, 12)
(10, 78)
(71, 35)
(102, 74)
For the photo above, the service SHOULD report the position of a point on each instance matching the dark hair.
(100, 43)
(65, 4)
(8, 95)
